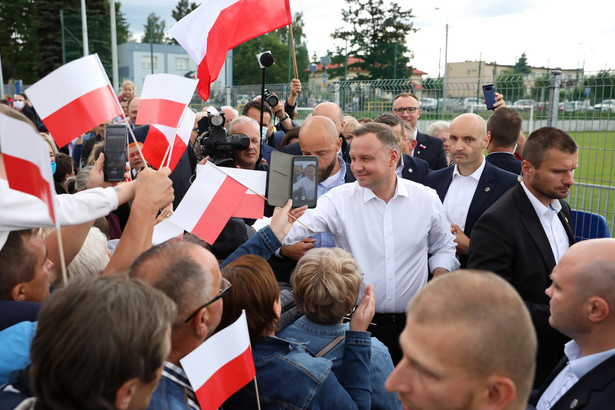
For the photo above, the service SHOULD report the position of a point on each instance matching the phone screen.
(489, 94)
(115, 152)
(305, 181)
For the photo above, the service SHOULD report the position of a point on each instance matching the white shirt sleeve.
(441, 242)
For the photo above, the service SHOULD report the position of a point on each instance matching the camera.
(213, 141)
(270, 98)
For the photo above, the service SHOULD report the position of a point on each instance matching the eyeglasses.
(225, 288)
(401, 110)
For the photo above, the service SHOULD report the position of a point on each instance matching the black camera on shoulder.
(213, 141)
(270, 98)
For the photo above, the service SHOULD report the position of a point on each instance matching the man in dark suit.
(503, 130)
(524, 233)
(582, 307)
(414, 169)
(431, 149)
(472, 185)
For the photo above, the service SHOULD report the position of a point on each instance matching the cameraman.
(249, 158)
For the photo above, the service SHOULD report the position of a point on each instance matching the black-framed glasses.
(400, 110)
(225, 288)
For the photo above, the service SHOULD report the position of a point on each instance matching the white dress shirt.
(576, 368)
(459, 195)
(390, 241)
(558, 238)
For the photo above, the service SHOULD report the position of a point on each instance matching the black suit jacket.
(430, 149)
(595, 390)
(505, 160)
(509, 240)
(415, 169)
(493, 183)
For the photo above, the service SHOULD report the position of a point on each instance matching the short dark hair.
(391, 120)
(257, 104)
(382, 131)
(93, 336)
(542, 140)
(17, 263)
(64, 165)
(505, 127)
(254, 289)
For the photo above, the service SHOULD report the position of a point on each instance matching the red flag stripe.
(219, 210)
(155, 146)
(160, 111)
(179, 147)
(251, 206)
(25, 176)
(82, 114)
(226, 381)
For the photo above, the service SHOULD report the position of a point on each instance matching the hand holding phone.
(116, 137)
(489, 94)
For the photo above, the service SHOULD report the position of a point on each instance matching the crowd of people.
(428, 276)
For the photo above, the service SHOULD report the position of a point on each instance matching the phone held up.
(489, 94)
(116, 137)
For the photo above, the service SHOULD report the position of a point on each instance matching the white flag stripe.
(186, 125)
(66, 84)
(198, 197)
(166, 230)
(192, 31)
(168, 132)
(256, 180)
(169, 87)
(19, 139)
(216, 351)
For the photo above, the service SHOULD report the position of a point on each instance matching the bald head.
(493, 330)
(319, 136)
(471, 121)
(333, 112)
(133, 108)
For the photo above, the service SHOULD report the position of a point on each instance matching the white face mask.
(18, 104)
(264, 134)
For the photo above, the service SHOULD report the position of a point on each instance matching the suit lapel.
(484, 189)
(566, 218)
(441, 185)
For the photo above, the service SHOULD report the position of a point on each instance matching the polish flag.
(252, 205)
(211, 201)
(221, 365)
(164, 99)
(26, 161)
(216, 26)
(160, 136)
(74, 98)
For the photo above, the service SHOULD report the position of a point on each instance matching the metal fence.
(582, 104)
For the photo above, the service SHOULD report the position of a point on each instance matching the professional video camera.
(215, 142)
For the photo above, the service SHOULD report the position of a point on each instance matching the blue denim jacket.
(290, 378)
(263, 243)
(173, 391)
(318, 336)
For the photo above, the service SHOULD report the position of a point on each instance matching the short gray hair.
(242, 119)
(438, 126)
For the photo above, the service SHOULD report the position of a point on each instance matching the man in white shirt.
(582, 306)
(389, 224)
(472, 185)
(523, 234)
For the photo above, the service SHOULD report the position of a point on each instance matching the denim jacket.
(318, 336)
(173, 391)
(263, 243)
(290, 378)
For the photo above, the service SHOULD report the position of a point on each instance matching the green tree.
(376, 35)
(521, 67)
(17, 47)
(183, 8)
(246, 69)
(602, 86)
(154, 30)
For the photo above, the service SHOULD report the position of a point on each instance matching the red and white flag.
(26, 161)
(164, 99)
(216, 26)
(214, 198)
(160, 136)
(221, 365)
(74, 98)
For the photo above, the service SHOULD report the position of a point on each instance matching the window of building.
(146, 61)
(181, 63)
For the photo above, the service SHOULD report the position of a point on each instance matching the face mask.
(18, 104)
(53, 167)
(264, 134)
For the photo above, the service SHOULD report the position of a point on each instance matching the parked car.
(450, 105)
(605, 105)
(521, 105)
(473, 104)
(577, 106)
(428, 104)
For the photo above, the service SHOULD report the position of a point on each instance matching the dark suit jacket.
(415, 169)
(505, 160)
(493, 183)
(508, 239)
(595, 390)
(430, 149)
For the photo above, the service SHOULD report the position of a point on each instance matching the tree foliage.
(521, 67)
(246, 69)
(376, 34)
(154, 30)
(183, 8)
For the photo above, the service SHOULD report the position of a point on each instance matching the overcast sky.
(564, 33)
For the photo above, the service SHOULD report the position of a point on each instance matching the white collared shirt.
(390, 241)
(459, 195)
(400, 168)
(551, 225)
(576, 368)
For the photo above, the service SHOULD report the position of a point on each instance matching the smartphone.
(305, 181)
(489, 94)
(116, 137)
